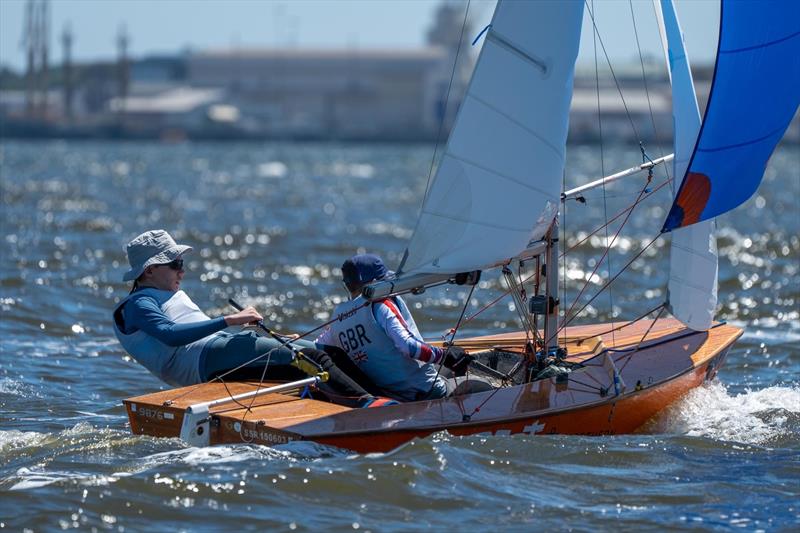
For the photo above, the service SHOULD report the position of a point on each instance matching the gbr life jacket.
(368, 345)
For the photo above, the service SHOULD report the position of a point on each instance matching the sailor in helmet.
(167, 333)
(383, 340)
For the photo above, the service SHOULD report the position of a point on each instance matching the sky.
(170, 26)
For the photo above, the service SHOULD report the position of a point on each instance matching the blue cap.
(363, 268)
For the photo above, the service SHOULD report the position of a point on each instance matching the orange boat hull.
(673, 362)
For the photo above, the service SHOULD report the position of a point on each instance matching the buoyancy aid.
(178, 366)
(367, 344)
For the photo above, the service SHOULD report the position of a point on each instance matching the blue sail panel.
(754, 95)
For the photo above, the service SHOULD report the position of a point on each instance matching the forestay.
(498, 183)
(692, 289)
(754, 95)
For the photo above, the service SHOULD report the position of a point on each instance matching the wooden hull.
(672, 361)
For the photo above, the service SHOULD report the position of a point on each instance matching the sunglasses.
(176, 265)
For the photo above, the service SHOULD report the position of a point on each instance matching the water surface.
(270, 224)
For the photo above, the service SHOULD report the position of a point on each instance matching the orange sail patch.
(693, 197)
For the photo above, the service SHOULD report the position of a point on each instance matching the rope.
(567, 322)
(629, 208)
(606, 252)
(646, 88)
(484, 30)
(452, 338)
(267, 354)
(639, 344)
(506, 292)
(447, 97)
(634, 321)
(463, 311)
(616, 82)
(563, 255)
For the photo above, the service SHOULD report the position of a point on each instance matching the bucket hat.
(154, 247)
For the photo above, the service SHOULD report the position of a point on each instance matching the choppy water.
(270, 224)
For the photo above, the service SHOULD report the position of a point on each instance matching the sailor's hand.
(248, 315)
(457, 360)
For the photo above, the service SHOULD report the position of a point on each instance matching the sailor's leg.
(226, 352)
(340, 387)
(231, 351)
(343, 361)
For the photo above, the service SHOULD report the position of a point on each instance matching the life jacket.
(178, 366)
(367, 344)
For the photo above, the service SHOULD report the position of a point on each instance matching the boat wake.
(768, 416)
(291, 452)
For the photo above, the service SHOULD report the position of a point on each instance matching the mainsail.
(692, 289)
(754, 95)
(498, 183)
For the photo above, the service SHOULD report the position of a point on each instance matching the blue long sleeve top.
(144, 314)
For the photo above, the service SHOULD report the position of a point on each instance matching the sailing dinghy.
(493, 205)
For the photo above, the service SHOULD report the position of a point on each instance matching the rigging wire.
(253, 360)
(611, 68)
(610, 281)
(617, 328)
(621, 213)
(564, 254)
(646, 88)
(441, 127)
(447, 99)
(452, 337)
(657, 143)
(639, 344)
(605, 201)
(606, 254)
(506, 292)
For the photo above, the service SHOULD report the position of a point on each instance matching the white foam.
(9, 386)
(32, 478)
(753, 417)
(228, 454)
(12, 439)
(221, 454)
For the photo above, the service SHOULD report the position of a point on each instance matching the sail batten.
(539, 137)
(530, 186)
(504, 42)
(498, 184)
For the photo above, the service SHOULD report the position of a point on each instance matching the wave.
(762, 417)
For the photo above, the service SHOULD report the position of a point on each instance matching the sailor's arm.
(392, 322)
(144, 314)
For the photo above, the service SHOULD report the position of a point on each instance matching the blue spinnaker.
(754, 95)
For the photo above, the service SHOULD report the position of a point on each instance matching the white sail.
(692, 289)
(498, 183)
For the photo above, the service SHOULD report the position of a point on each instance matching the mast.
(551, 290)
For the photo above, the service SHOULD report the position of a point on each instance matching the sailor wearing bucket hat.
(155, 247)
(166, 332)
